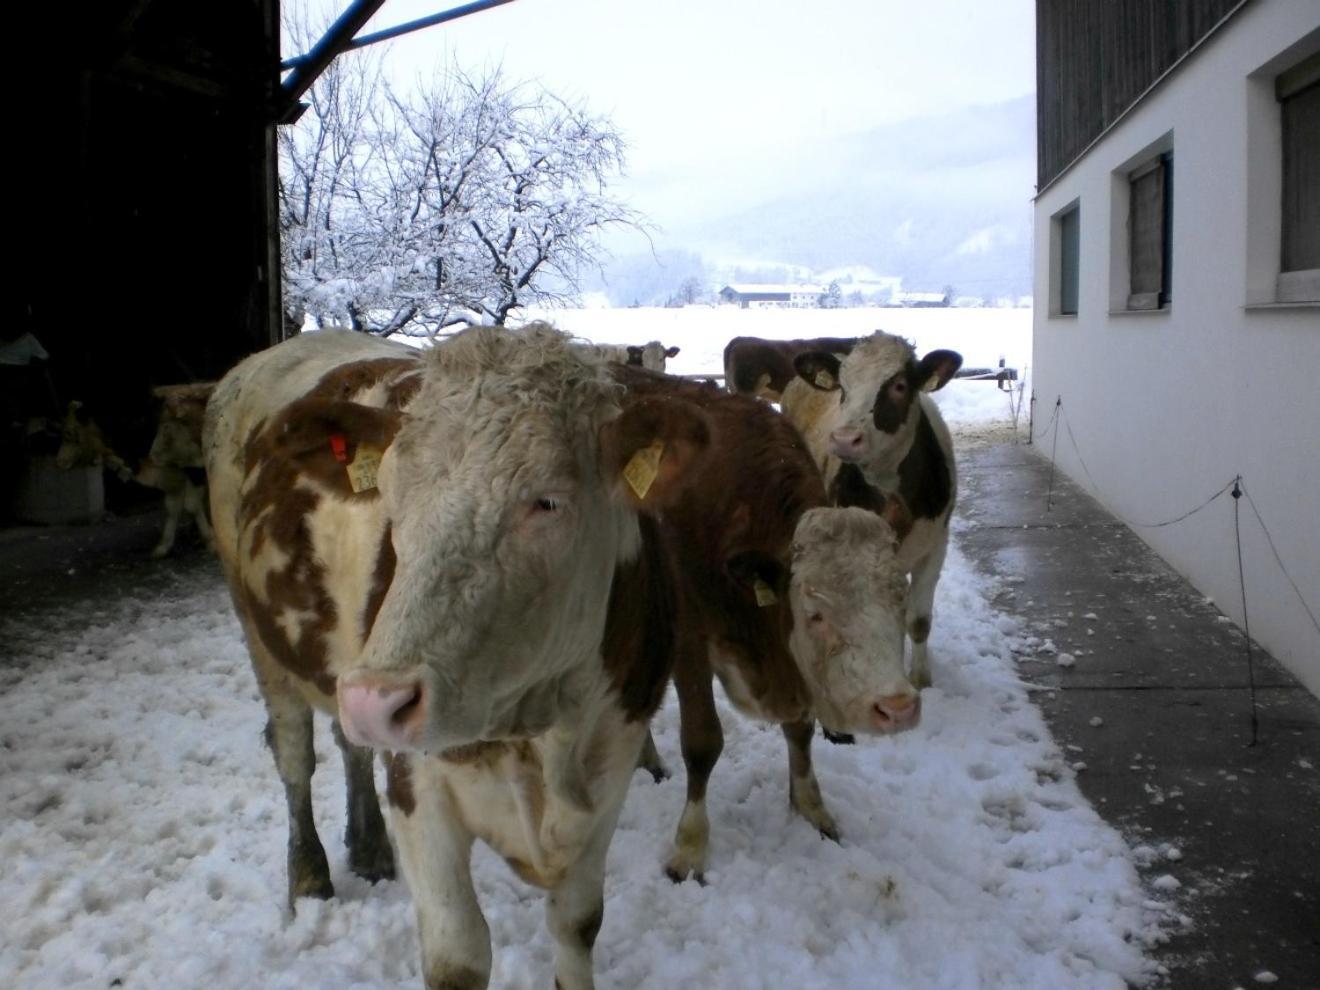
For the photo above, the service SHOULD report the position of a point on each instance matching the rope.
(1238, 489)
(1278, 560)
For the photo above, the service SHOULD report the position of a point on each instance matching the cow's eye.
(900, 386)
(547, 503)
(815, 618)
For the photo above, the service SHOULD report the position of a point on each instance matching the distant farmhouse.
(1177, 249)
(768, 296)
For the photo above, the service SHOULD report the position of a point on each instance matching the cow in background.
(651, 356)
(797, 607)
(763, 368)
(175, 464)
(882, 445)
(441, 549)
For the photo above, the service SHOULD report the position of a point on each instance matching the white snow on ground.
(144, 832)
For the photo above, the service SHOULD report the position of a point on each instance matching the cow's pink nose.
(896, 712)
(381, 711)
(847, 443)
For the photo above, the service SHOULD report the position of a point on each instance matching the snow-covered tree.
(462, 199)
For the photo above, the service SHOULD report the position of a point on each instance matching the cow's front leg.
(196, 504)
(369, 852)
(921, 599)
(435, 852)
(173, 508)
(289, 735)
(803, 788)
(574, 910)
(703, 740)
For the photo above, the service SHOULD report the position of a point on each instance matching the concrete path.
(1154, 713)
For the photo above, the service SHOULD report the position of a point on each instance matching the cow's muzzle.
(383, 710)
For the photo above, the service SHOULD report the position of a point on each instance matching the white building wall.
(1166, 407)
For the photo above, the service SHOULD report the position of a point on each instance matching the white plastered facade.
(1165, 407)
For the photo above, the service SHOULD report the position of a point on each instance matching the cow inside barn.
(441, 549)
(797, 607)
(175, 464)
(763, 368)
(882, 444)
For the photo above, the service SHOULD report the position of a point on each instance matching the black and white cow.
(882, 444)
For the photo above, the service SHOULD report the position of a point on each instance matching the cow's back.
(257, 389)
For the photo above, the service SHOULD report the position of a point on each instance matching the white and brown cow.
(651, 356)
(882, 445)
(797, 607)
(492, 607)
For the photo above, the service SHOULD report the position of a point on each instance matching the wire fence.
(1235, 486)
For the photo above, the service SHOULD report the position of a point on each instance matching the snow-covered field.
(142, 843)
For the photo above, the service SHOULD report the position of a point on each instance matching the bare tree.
(464, 199)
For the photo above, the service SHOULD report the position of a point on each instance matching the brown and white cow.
(651, 356)
(492, 607)
(175, 464)
(882, 444)
(797, 607)
(763, 368)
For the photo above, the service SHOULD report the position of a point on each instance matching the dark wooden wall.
(1095, 57)
(143, 196)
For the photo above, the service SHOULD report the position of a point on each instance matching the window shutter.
(1146, 224)
(1301, 177)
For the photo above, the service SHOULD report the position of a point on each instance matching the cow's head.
(650, 356)
(505, 488)
(878, 385)
(848, 596)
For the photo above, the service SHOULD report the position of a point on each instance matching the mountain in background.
(938, 201)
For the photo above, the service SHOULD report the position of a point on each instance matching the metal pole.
(402, 29)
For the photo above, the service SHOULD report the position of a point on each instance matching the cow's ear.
(819, 369)
(762, 576)
(671, 352)
(936, 369)
(653, 449)
(338, 443)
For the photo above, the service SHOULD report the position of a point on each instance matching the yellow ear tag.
(824, 380)
(362, 472)
(643, 467)
(765, 595)
(932, 383)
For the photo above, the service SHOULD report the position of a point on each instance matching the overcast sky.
(701, 84)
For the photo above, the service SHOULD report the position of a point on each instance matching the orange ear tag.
(765, 595)
(643, 467)
(366, 463)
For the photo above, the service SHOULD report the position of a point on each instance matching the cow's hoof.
(838, 738)
(373, 866)
(830, 832)
(675, 875)
(159, 552)
(320, 889)
(921, 680)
